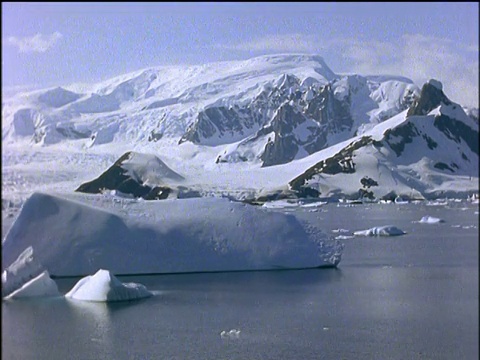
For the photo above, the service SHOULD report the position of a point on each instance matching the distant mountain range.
(269, 127)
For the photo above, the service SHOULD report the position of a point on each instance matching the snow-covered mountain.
(429, 150)
(276, 124)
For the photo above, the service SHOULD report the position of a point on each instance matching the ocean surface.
(414, 296)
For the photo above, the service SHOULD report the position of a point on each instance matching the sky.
(54, 44)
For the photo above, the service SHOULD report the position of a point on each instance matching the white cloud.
(421, 58)
(415, 56)
(282, 43)
(36, 43)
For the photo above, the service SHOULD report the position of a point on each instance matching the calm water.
(408, 297)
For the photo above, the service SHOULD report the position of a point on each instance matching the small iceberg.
(40, 286)
(232, 334)
(437, 203)
(280, 204)
(400, 200)
(26, 277)
(387, 230)
(104, 286)
(430, 220)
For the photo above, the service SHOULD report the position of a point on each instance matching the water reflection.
(100, 320)
(292, 278)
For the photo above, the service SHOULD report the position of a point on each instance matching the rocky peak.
(431, 96)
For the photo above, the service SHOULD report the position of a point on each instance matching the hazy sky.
(50, 44)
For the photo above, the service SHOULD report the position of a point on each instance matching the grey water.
(413, 296)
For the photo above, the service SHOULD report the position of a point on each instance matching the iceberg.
(430, 220)
(75, 238)
(104, 286)
(20, 272)
(387, 230)
(40, 286)
(232, 334)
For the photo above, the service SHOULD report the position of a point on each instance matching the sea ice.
(104, 286)
(387, 230)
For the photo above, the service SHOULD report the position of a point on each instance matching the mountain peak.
(312, 60)
(431, 96)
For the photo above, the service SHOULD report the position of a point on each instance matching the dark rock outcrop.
(431, 97)
(118, 178)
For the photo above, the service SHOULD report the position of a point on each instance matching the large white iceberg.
(26, 277)
(104, 286)
(387, 230)
(72, 238)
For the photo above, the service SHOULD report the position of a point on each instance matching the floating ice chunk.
(400, 200)
(340, 231)
(104, 286)
(42, 285)
(430, 220)
(232, 334)
(387, 230)
(280, 204)
(437, 203)
(313, 204)
(21, 271)
(344, 237)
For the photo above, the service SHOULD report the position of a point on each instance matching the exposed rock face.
(118, 177)
(328, 111)
(285, 145)
(342, 162)
(295, 120)
(457, 131)
(443, 141)
(431, 97)
(221, 124)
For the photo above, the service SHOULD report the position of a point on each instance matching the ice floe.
(232, 334)
(430, 220)
(387, 230)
